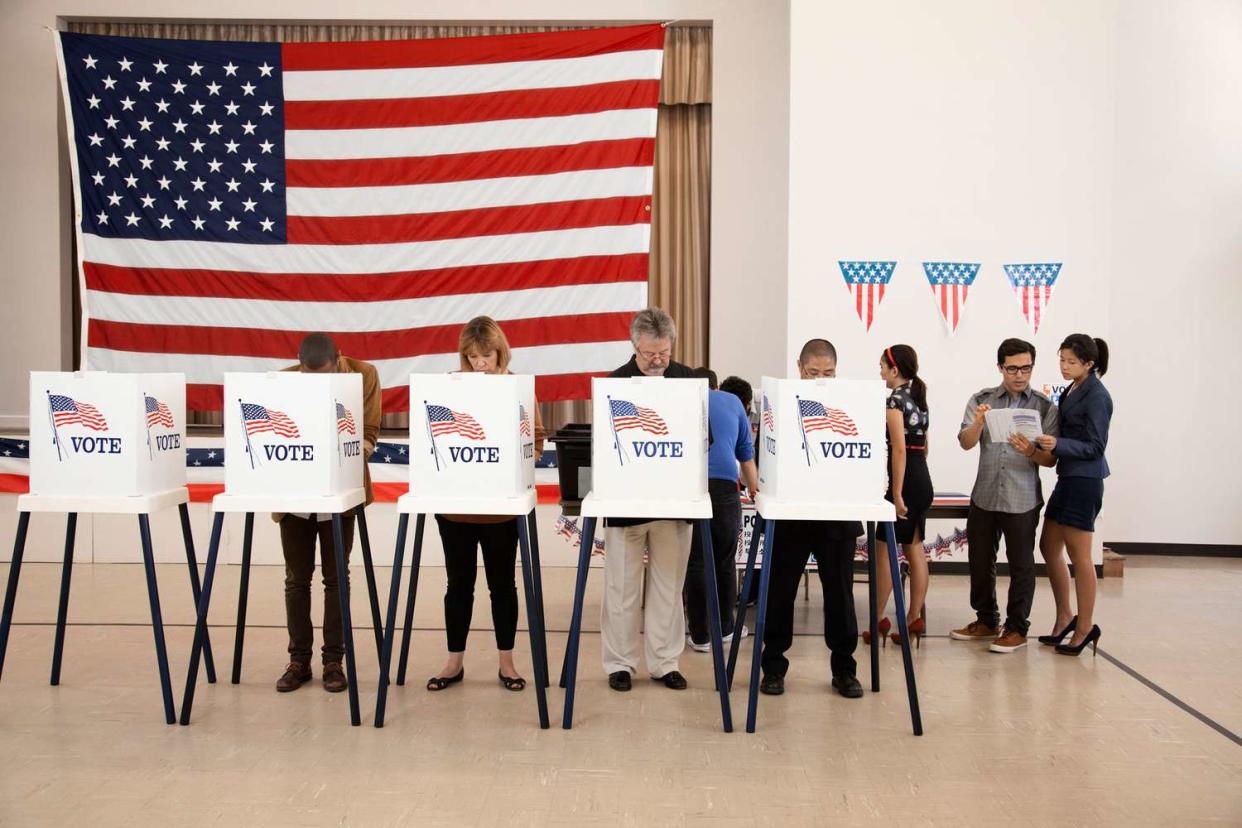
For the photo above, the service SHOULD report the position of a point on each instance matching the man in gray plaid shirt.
(1005, 501)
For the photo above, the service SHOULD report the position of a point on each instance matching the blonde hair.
(482, 334)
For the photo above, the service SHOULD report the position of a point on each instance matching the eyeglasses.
(1014, 370)
(653, 355)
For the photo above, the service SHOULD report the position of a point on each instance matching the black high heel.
(1093, 638)
(1054, 640)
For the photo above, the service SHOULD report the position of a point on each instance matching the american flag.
(344, 420)
(816, 417)
(950, 282)
(234, 196)
(769, 421)
(866, 282)
(259, 418)
(523, 421)
(627, 415)
(68, 411)
(158, 413)
(1032, 285)
(444, 420)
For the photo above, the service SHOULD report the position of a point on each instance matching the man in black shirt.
(832, 542)
(667, 543)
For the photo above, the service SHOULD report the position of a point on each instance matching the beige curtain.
(681, 209)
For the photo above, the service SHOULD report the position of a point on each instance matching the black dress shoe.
(619, 681)
(847, 686)
(772, 685)
(673, 680)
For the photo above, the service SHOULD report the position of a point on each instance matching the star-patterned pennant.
(950, 283)
(866, 282)
(1032, 286)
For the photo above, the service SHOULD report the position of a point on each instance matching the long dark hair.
(906, 361)
(1088, 349)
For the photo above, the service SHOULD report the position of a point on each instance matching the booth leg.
(62, 612)
(390, 626)
(372, 593)
(761, 614)
(532, 622)
(916, 718)
(873, 610)
(10, 591)
(713, 624)
(157, 622)
(537, 573)
(239, 638)
(192, 561)
(347, 624)
(200, 624)
(415, 562)
(739, 616)
(575, 623)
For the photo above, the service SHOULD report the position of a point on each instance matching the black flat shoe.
(1054, 640)
(772, 685)
(847, 686)
(438, 683)
(514, 683)
(620, 681)
(673, 680)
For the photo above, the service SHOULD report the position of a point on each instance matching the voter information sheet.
(1002, 422)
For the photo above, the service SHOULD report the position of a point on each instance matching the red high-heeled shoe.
(884, 626)
(916, 628)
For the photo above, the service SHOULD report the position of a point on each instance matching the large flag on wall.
(232, 197)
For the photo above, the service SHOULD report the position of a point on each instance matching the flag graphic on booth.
(64, 411)
(259, 419)
(769, 421)
(815, 416)
(232, 194)
(866, 282)
(158, 413)
(625, 415)
(1032, 286)
(344, 420)
(523, 421)
(950, 283)
(442, 420)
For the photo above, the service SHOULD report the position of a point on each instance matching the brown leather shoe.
(334, 680)
(1008, 641)
(974, 631)
(295, 676)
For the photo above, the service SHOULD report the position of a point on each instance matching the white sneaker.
(705, 647)
(728, 639)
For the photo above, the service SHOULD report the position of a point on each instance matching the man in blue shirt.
(730, 426)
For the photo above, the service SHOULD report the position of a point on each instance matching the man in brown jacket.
(318, 354)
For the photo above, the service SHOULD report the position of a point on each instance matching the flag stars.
(249, 205)
(163, 182)
(163, 144)
(145, 124)
(180, 202)
(213, 88)
(98, 178)
(195, 68)
(146, 162)
(214, 204)
(148, 202)
(90, 61)
(102, 218)
(266, 146)
(230, 69)
(144, 85)
(266, 224)
(179, 125)
(198, 184)
(197, 145)
(231, 146)
(265, 108)
(178, 87)
(131, 181)
(232, 184)
(127, 103)
(179, 164)
(93, 102)
(114, 199)
(108, 82)
(248, 166)
(125, 63)
(95, 138)
(248, 88)
(196, 108)
(162, 105)
(215, 127)
(197, 222)
(113, 160)
(132, 220)
(160, 67)
(265, 71)
(214, 165)
(267, 185)
(111, 122)
(248, 128)
(165, 222)
(233, 223)
(231, 108)
(129, 141)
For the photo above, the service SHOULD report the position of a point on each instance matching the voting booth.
(472, 452)
(649, 441)
(292, 445)
(96, 433)
(823, 456)
(105, 443)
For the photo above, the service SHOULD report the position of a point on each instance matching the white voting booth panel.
(648, 448)
(292, 435)
(472, 443)
(822, 445)
(99, 434)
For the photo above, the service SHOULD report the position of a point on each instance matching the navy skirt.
(1076, 502)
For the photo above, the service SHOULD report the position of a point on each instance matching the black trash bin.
(573, 464)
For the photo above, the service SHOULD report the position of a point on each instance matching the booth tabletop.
(879, 512)
(305, 504)
(412, 504)
(104, 504)
(655, 509)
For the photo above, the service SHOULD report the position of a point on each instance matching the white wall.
(750, 120)
(1090, 133)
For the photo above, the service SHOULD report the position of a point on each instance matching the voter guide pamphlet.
(1002, 422)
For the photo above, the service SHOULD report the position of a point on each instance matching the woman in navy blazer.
(1069, 519)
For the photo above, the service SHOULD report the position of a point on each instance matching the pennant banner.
(1032, 285)
(866, 282)
(950, 283)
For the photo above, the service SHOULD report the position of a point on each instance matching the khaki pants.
(622, 613)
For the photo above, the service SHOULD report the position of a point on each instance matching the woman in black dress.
(909, 483)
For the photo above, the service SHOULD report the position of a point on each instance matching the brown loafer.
(334, 680)
(295, 676)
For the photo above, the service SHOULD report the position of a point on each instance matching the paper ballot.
(1003, 422)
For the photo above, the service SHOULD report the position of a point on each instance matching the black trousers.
(726, 524)
(297, 539)
(983, 533)
(461, 543)
(833, 545)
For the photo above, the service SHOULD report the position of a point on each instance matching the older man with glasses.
(666, 542)
(1005, 501)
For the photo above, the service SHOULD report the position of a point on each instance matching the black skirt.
(916, 491)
